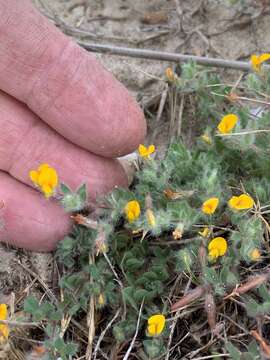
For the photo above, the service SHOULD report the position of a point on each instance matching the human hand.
(59, 106)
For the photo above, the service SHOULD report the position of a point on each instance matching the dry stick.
(66, 318)
(135, 335)
(254, 100)
(11, 323)
(242, 98)
(149, 75)
(212, 356)
(118, 281)
(160, 111)
(166, 56)
(180, 13)
(152, 37)
(263, 344)
(43, 284)
(103, 334)
(237, 83)
(174, 346)
(180, 116)
(244, 133)
(90, 319)
(173, 100)
(174, 325)
(146, 53)
(191, 354)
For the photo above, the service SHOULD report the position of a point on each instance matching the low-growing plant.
(191, 233)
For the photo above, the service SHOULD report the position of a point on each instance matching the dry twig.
(166, 56)
(263, 344)
(101, 337)
(135, 335)
(90, 320)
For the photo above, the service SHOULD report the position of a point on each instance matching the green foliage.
(55, 344)
(154, 347)
(255, 308)
(73, 201)
(124, 330)
(252, 352)
(140, 261)
(42, 311)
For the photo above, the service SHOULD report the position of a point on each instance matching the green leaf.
(184, 260)
(153, 347)
(124, 330)
(31, 305)
(228, 277)
(212, 277)
(71, 349)
(253, 308)
(119, 334)
(55, 315)
(65, 189)
(161, 272)
(140, 294)
(146, 277)
(59, 344)
(264, 293)
(128, 295)
(254, 350)
(82, 192)
(233, 351)
(47, 308)
(266, 307)
(134, 264)
(67, 243)
(74, 309)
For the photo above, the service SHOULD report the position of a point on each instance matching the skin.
(59, 106)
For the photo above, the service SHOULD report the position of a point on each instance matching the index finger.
(64, 85)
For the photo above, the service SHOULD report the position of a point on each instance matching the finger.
(29, 220)
(26, 142)
(64, 85)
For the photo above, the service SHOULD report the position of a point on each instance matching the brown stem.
(191, 296)
(210, 308)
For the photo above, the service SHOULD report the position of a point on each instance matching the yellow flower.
(102, 248)
(132, 210)
(205, 232)
(170, 74)
(46, 178)
(217, 247)
(255, 254)
(145, 152)
(206, 138)
(4, 329)
(258, 60)
(227, 123)
(101, 300)
(210, 205)
(241, 202)
(155, 324)
(150, 218)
